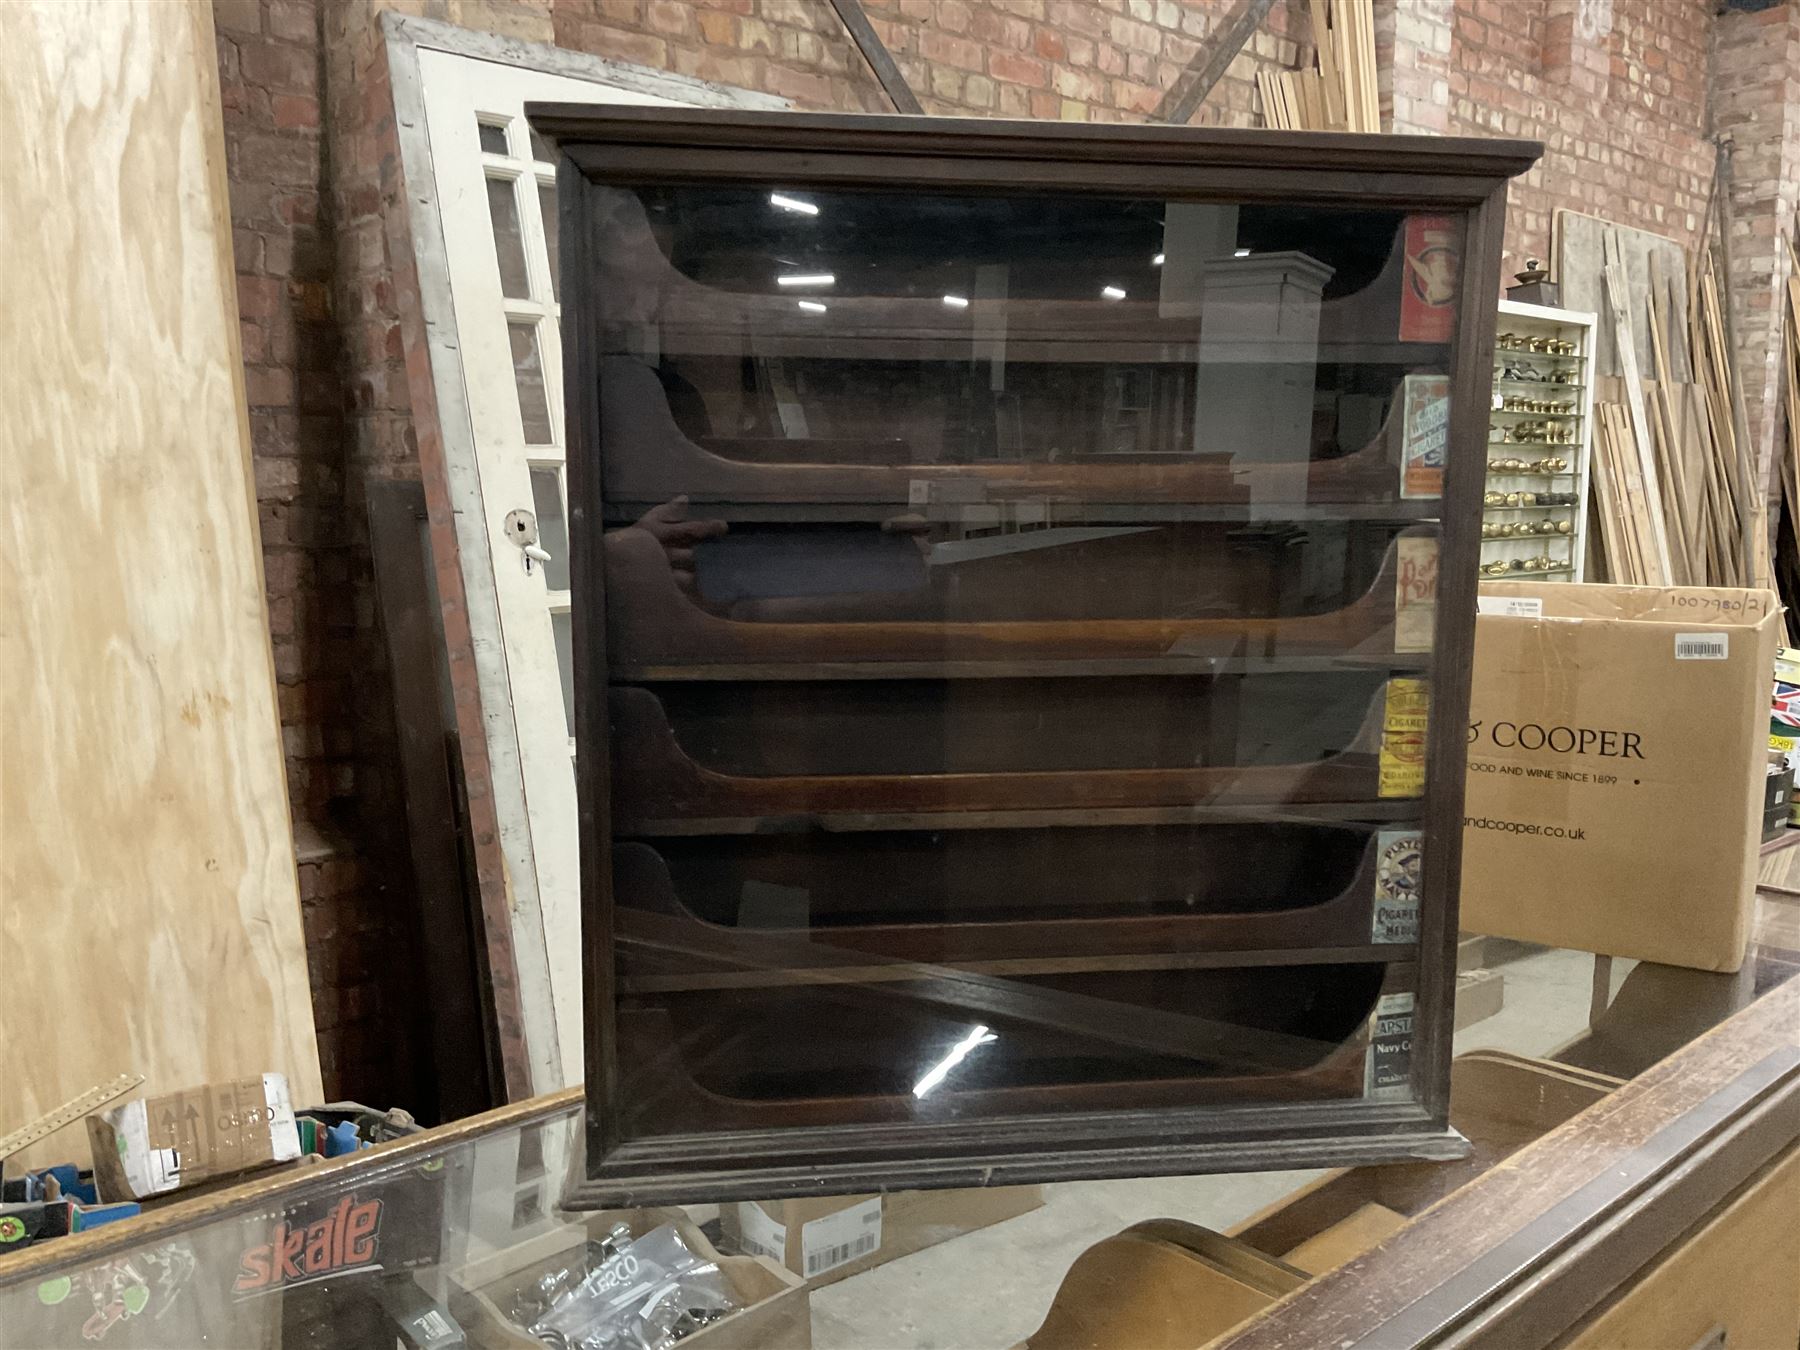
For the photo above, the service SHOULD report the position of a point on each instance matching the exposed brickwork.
(1621, 113)
(1071, 60)
(1413, 41)
(306, 419)
(1756, 64)
(1618, 93)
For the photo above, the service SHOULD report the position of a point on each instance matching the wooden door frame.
(459, 542)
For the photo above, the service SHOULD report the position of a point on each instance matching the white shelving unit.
(1561, 384)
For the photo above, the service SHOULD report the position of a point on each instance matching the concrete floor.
(989, 1289)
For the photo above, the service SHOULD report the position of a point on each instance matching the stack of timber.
(1339, 94)
(1676, 496)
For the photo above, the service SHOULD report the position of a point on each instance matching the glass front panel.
(1018, 613)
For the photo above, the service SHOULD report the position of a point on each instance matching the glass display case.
(458, 1236)
(1017, 733)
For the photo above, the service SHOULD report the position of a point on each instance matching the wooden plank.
(1331, 74)
(1657, 551)
(465, 1061)
(1734, 1279)
(1578, 260)
(1210, 63)
(149, 860)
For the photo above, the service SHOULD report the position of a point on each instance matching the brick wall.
(1756, 65)
(1620, 106)
(1071, 60)
(309, 390)
(1617, 91)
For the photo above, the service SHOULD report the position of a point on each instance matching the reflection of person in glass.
(671, 527)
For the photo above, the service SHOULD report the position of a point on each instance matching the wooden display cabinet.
(1018, 733)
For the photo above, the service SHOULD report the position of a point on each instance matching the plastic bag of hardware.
(647, 1293)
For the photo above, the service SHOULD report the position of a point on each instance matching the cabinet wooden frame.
(1463, 178)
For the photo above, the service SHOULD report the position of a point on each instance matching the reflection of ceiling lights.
(806, 279)
(958, 1053)
(957, 301)
(1113, 292)
(1241, 253)
(1157, 261)
(811, 306)
(793, 204)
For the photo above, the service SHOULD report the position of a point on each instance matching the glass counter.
(456, 1236)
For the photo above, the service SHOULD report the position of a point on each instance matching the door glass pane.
(547, 208)
(528, 377)
(553, 529)
(493, 138)
(542, 149)
(562, 626)
(1033, 627)
(509, 240)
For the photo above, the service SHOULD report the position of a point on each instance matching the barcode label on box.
(1514, 606)
(1702, 646)
(759, 1235)
(838, 1239)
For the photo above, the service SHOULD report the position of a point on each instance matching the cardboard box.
(152, 1145)
(775, 1313)
(1617, 742)
(826, 1239)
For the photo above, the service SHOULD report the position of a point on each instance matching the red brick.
(292, 111)
(814, 90)
(952, 51)
(719, 27)
(952, 16)
(293, 22)
(639, 47)
(1050, 44)
(1016, 69)
(672, 17)
(278, 67)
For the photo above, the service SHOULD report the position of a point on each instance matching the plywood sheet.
(149, 911)
(1579, 258)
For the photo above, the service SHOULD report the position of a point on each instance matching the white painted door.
(496, 195)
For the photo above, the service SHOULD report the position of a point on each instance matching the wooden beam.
(1209, 63)
(875, 52)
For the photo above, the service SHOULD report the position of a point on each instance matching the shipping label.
(838, 1239)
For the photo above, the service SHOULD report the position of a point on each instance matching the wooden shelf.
(1335, 927)
(659, 790)
(652, 625)
(649, 460)
(1398, 662)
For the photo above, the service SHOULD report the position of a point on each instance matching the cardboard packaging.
(152, 1145)
(827, 1239)
(1617, 744)
(774, 1312)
